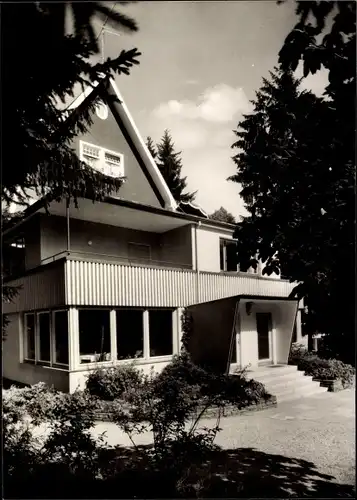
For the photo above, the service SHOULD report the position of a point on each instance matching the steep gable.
(114, 130)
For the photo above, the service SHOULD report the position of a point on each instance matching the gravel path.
(310, 439)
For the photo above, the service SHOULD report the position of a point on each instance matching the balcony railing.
(112, 284)
(85, 282)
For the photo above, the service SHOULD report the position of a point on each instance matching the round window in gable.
(102, 111)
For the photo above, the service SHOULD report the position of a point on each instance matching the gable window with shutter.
(107, 162)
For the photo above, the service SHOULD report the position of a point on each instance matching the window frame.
(102, 160)
(37, 361)
(139, 309)
(95, 363)
(224, 241)
(53, 342)
(223, 258)
(25, 338)
(173, 332)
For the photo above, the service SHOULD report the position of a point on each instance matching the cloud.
(192, 82)
(315, 83)
(202, 129)
(218, 104)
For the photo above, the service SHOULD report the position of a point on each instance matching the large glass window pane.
(44, 337)
(160, 332)
(130, 333)
(30, 336)
(94, 335)
(61, 337)
(231, 249)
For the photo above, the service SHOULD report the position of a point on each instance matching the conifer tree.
(298, 187)
(40, 69)
(223, 215)
(170, 164)
(41, 66)
(151, 147)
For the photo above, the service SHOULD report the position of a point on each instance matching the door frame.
(269, 359)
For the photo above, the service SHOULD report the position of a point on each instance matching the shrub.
(320, 368)
(64, 447)
(220, 389)
(110, 383)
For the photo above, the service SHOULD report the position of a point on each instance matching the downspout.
(68, 228)
(197, 225)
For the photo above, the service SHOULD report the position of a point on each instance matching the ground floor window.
(94, 335)
(46, 337)
(160, 332)
(130, 333)
(44, 333)
(29, 348)
(61, 337)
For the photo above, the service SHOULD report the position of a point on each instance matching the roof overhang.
(120, 214)
(115, 211)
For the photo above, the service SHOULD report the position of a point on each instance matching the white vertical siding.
(40, 290)
(104, 284)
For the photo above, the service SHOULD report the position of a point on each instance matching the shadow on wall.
(244, 472)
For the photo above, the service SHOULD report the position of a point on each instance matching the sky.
(200, 66)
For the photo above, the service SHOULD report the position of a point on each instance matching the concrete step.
(286, 382)
(270, 372)
(300, 395)
(295, 389)
(277, 379)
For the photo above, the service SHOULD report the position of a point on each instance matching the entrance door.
(264, 322)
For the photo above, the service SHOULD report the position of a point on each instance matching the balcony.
(114, 284)
(83, 281)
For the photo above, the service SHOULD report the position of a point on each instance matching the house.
(107, 282)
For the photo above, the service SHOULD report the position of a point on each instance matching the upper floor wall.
(106, 133)
(172, 248)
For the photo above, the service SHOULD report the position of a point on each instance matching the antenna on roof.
(103, 29)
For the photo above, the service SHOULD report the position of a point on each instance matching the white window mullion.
(37, 338)
(52, 338)
(113, 335)
(73, 338)
(22, 336)
(175, 332)
(225, 256)
(146, 334)
(179, 329)
(102, 160)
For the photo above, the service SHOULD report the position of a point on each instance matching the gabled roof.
(192, 209)
(111, 90)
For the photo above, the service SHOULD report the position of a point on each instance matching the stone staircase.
(285, 382)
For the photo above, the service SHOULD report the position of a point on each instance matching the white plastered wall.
(283, 317)
(16, 370)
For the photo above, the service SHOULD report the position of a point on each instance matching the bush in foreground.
(321, 369)
(110, 383)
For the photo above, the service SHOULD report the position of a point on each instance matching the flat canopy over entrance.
(217, 324)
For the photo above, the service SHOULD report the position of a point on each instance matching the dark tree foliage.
(170, 164)
(223, 215)
(325, 36)
(41, 65)
(296, 168)
(151, 147)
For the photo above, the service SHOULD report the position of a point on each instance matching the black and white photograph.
(178, 249)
